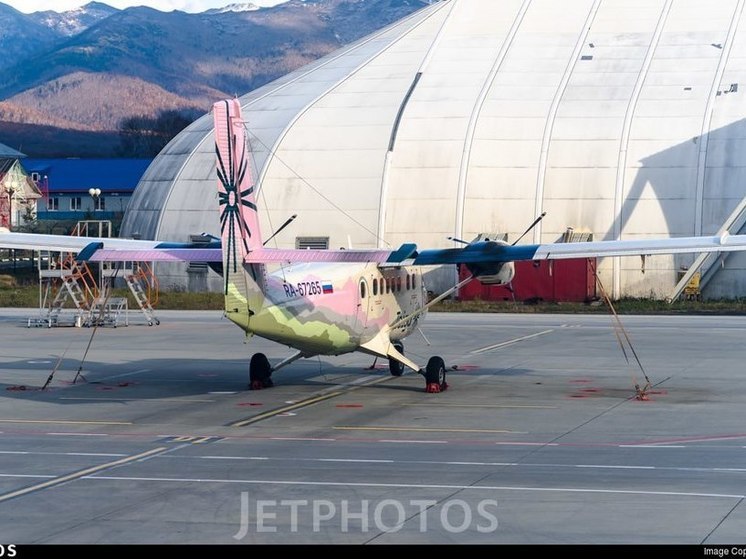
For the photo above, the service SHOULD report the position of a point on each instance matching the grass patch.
(14, 294)
(28, 297)
(623, 306)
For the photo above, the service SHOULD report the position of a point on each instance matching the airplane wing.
(97, 249)
(482, 252)
(493, 252)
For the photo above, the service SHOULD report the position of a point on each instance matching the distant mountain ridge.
(89, 68)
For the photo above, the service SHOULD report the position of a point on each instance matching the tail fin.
(239, 222)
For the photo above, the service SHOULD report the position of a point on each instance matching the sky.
(28, 6)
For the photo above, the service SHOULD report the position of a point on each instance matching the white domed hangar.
(621, 119)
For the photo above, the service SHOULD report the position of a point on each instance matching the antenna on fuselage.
(273, 235)
(534, 224)
(457, 240)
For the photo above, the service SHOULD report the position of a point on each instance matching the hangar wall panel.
(624, 119)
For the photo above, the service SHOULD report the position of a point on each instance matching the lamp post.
(95, 193)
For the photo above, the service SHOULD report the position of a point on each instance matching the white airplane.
(331, 302)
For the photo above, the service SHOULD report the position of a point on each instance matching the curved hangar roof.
(622, 118)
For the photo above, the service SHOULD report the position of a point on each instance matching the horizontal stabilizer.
(266, 256)
(157, 255)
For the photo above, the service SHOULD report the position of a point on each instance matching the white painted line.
(406, 441)
(220, 457)
(96, 454)
(79, 434)
(651, 446)
(125, 399)
(28, 475)
(527, 444)
(510, 342)
(123, 375)
(42, 453)
(354, 460)
(299, 439)
(455, 462)
(202, 481)
(477, 463)
(602, 466)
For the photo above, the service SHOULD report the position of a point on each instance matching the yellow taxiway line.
(285, 409)
(308, 402)
(79, 474)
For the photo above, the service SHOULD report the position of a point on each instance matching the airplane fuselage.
(327, 308)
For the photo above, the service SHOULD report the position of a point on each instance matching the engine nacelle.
(500, 275)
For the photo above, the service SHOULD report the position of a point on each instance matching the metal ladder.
(70, 289)
(141, 296)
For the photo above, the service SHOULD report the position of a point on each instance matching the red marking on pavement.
(590, 390)
(349, 405)
(19, 387)
(252, 404)
(464, 367)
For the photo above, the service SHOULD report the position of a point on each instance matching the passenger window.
(375, 287)
(398, 284)
(409, 284)
(362, 289)
(388, 285)
(413, 281)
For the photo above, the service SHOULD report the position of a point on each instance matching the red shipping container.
(546, 280)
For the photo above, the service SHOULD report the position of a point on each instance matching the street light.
(95, 193)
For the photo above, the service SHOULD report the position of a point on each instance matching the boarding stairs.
(76, 285)
(143, 285)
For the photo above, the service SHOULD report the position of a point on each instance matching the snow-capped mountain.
(75, 21)
(85, 71)
(245, 7)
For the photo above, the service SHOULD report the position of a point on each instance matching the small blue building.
(66, 186)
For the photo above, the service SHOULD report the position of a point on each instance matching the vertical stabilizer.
(239, 222)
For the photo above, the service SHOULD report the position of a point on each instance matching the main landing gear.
(434, 373)
(260, 372)
(396, 367)
(435, 376)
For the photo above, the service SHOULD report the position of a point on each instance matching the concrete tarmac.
(539, 438)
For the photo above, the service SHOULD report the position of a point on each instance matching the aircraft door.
(363, 304)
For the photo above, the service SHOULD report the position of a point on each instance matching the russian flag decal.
(327, 287)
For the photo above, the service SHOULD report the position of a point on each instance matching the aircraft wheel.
(396, 368)
(435, 375)
(260, 372)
